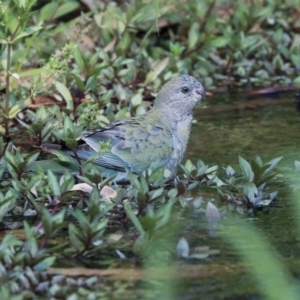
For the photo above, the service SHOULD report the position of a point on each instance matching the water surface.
(226, 128)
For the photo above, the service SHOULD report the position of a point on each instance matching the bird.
(157, 138)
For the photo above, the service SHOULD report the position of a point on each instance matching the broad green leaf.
(66, 8)
(64, 91)
(79, 82)
(250, 190)
(91, 83)
(193, 35)
(246, 169)
(165, 213)
(136, 99)
(123, 44)
(58, 167)
(48, 10)
(31, 72)
(157, 175)
(189, 165)
(44, 264)
(18, 107)
(157, 69)
(273, 163)
(2, 35)
(78, 59)
(133, 179)
(144, 185)
(97, 70)
(28, 31)
(53, 183)
(134, 218)
(217, 42)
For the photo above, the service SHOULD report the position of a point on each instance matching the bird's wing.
(136, 145)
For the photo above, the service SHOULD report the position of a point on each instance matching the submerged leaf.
(212, 213)
(182, 248)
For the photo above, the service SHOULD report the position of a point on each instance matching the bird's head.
(180, 94)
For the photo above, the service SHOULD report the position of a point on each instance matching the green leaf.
(246, 169)
(193, 35)
(189, 165)
(2, 35)
(11, 160)
(28, 15)
(73, 236)
(48, 10)
(144, 185)
(134, 218)
(44, 264)
(273, 163)
(165, 213)
(79, 60)
(31, 72)
(6, 202)
(157, 69)
(53, 183)
(123, 44)
(18, 107)
(91, 83)
(250, 190)
(66, 8)
(47, 222)
(97, 70)
(136, 99)
(69, 130)
(28, 31)
(31, 159)
(211, 169)
(157, 175)
(79, 82)
(133, 180)
(64, 91)
(217, 42)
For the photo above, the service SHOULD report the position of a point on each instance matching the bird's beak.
(201, 91)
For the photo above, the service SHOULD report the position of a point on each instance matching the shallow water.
(268, 128)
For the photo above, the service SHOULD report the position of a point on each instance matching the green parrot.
(156, 138)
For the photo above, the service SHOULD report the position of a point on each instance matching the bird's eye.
(185, 90)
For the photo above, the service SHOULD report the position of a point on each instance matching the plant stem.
(79, 162)
(7, 77)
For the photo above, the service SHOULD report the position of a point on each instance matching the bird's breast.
(180, 133)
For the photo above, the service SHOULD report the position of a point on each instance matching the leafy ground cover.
(63, 72)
